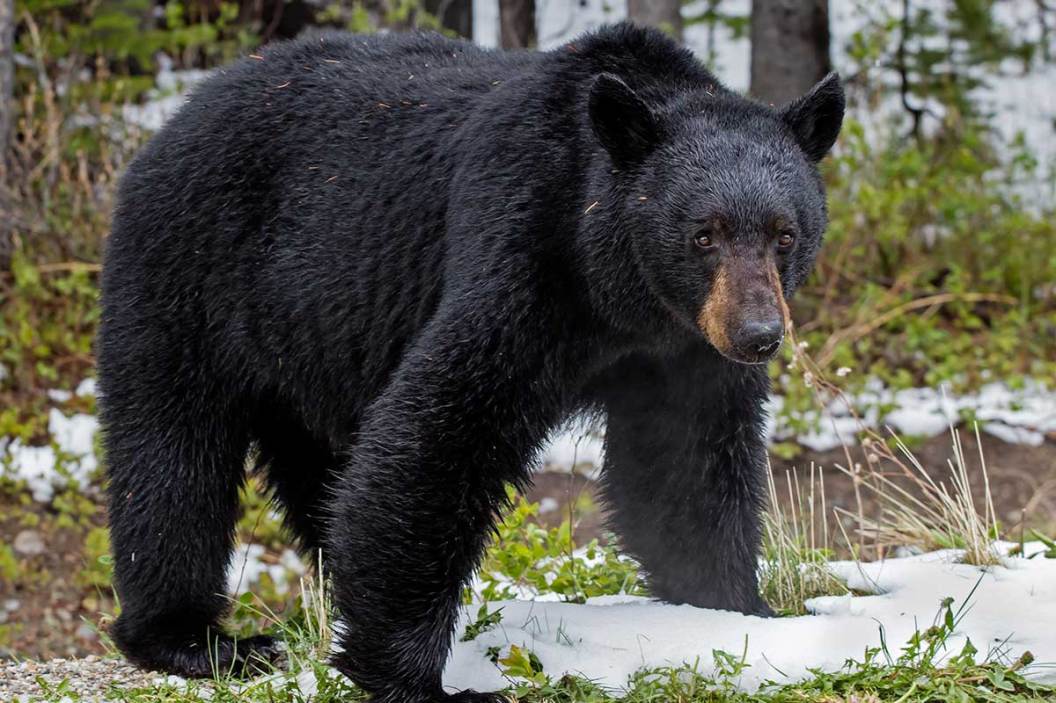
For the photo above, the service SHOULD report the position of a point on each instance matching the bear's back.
(352, 66)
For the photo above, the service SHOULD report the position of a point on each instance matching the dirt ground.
(54, 605)
(1022, 483)
(1022, 478)
(50, 609)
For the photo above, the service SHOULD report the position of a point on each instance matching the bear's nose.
(760, 338)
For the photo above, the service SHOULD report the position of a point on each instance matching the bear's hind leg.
(175, 466)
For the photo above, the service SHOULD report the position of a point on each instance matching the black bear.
(386, 268)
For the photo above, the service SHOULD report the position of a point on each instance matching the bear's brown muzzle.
(745, 314)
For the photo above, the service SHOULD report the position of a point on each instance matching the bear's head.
(720, 202)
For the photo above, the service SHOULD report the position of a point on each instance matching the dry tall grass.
(921, 511)
(917, 509)
(796, 546)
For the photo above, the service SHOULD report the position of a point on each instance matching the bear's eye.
(785, 240)
(704, 240)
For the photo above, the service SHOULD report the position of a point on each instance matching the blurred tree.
(7, 120)
(7, 77)
(454, 15)
(517, 24)
(945, 52)
(716, 15)
(664, 14)
(790, 47)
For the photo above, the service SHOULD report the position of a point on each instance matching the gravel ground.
(89, 678)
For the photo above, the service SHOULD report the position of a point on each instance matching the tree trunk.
(7, 78)
(790, 47)
(517, 24)
(456, 15)
(7, 125)
(663, 14)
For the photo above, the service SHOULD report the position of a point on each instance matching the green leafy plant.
(98, 564)
(8, 563)
(525, 555)
(522, 664)
(485, 620)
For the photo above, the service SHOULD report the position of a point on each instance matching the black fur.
(394, 265)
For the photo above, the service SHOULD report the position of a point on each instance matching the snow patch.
(548, 505)
(1018, 416)
(1022, 416)
(250, 563)
(578, 446)
(85, 388)
(608, 639)
(69, 460)
(58, 395)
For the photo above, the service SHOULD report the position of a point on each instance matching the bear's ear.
(816, 117)
(621, 120)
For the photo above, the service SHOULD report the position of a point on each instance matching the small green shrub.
(528, 556)
(484, 621)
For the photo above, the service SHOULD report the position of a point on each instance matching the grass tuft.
(918, 510)
(796, 546)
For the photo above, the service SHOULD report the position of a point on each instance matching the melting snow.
(85, 388)
(1017, 416)
(248, 565)
(607, 639)
(578, 445)
(70, 458)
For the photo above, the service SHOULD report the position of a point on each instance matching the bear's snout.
(745, 313)
(759, 340)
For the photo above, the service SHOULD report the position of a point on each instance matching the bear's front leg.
(684, 474)
(461, 417)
